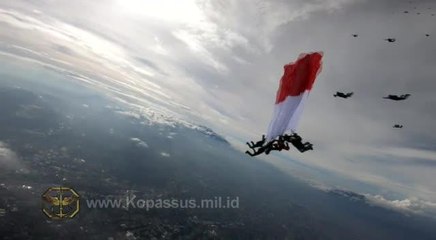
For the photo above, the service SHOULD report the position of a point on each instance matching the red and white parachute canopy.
(295, 86)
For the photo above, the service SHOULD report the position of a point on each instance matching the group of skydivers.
(282, 142)
(278, 144)
(390, 97)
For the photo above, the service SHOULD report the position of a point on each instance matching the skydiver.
(302, 147)
(257, 144)
(296, 141)
(255, 153)
(280, 144)
(292, 137)
(263, 149)
(286, 137)
(390, 39)
(397, 98)
(343, 95)
(271, 146)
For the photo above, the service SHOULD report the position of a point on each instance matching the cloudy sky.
(218, 63)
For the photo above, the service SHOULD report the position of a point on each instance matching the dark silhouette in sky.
(397, 98)
(343, 95)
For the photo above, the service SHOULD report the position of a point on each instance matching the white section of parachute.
(286, 115)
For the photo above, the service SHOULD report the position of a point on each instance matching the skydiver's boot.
(249, 153)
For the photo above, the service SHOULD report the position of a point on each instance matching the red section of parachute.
(299, 76)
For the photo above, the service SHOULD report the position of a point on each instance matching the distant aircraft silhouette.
(397, 98)
(355, 35)
(343, 95)
(398, 126)
(406, 11)
(427, 35)
(390, 39)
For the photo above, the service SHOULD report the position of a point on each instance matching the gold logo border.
(61, 189)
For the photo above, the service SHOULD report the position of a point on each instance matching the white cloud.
(165, 154)
(409, 153)
(9, 159)
(407, 205)
(197, 46)
(257, 21)
(139, 142)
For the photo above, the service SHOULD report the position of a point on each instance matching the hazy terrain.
(68, 135)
